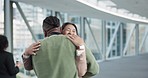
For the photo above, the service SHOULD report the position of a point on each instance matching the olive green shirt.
(56, 59)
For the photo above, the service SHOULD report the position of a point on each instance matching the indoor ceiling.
(134, 8)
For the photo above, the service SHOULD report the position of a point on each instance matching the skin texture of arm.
(81, 64)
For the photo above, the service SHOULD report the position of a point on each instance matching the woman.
(70, 29)
(7, 67)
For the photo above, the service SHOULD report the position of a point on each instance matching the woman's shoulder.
(6, 53)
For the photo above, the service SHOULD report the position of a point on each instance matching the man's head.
(51, 24)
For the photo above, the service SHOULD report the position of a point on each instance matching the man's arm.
(27, 55)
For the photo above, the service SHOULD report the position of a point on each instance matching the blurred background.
(112, 29)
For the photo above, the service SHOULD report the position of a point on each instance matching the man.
(56, 57)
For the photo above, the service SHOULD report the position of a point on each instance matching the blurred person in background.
(8, 69)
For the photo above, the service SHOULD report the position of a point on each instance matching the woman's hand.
(18, 63)
(32, 49)
(78, 41)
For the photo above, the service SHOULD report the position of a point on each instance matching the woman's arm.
(81, 63)
(27, 55)
(80, 54)
(27, 63)
(92, 65)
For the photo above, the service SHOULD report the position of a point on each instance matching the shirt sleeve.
(28, 63)
(11, 65)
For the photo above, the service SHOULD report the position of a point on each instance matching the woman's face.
(69, 30)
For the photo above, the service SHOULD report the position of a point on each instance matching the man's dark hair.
(68, 23)
(3, 42)
(50, 22)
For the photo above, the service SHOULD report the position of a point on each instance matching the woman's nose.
(71, 32)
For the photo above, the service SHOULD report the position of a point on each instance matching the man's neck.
(53, 33)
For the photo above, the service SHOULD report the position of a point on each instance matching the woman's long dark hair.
(3, 42)
(68, 23)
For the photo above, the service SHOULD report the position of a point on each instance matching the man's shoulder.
(55, 38)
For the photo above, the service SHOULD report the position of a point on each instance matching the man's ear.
(45, 34)
(61, 29)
